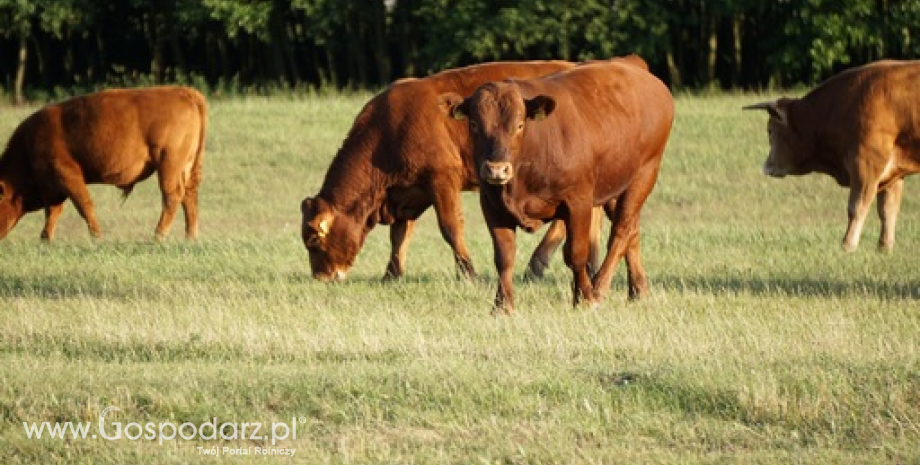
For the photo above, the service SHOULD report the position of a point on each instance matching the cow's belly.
(117, 168)
(409, 203)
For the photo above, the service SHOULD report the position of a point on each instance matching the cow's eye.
(520, 126)
(313, 241)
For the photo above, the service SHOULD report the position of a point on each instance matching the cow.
(861, 127)
(118, 137)
(402, 155)
(553, 147)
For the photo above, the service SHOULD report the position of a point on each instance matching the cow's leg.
(594, 257)
(889, 205)
(539, 261)
(173, 192)
(447, 207)
(400, 233)
(70, 178)
(190, 208)
(617, 243)
(576, 251)
(503, 247)
(554, 236)
(635, 272)
(861, 194)
(624, 235)
(52, 213)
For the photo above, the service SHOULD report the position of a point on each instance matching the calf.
(117, 137)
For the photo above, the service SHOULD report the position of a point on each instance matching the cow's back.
(403, 131)
(847, 97)
(117, 136)
(622, 112)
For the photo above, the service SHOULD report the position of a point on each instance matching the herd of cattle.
(542, 141)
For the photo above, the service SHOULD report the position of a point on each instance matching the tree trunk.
(18, 83)
(712, 44)
(381, 57)
(674, 71)
(737, 22)
(155, 44)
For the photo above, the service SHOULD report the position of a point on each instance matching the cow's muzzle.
(770, 169)
(326, 277)
(496, 172)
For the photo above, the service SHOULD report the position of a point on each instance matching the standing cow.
(861, 127)
(554, 147)
(117, 137)
(402, 155)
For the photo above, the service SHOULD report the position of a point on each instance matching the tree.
(16, 18)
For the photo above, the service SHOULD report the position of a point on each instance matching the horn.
(761, 106)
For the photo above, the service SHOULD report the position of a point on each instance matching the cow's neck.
(821, 157)
(509, 199)
(353, 187)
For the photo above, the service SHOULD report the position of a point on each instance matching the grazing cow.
(402, 155)
(861, 127)
(117, 137)
(554, 147)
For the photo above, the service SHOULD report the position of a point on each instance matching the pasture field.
(761, 341)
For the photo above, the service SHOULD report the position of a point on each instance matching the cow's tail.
(194, 179)
(125, 192)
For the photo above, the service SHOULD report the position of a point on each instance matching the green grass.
(761, 342)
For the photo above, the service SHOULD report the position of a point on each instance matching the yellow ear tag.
(539, 115)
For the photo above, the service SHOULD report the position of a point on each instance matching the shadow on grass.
(908, 288)
(64, 287)
(792, 286)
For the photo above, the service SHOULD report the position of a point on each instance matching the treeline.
(280, 44)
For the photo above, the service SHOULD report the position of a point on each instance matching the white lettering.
(191, 436)
(171, 435)
(235, 432)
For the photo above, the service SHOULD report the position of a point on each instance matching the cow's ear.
(307, 205)
(451, 103)
(322, 223)
(539, 107)
(318, 218)
(2, 191)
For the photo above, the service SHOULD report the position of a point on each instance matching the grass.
(761, 342)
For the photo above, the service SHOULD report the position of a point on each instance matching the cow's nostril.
(497, 172)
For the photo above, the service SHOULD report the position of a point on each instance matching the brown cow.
(861, 127)
(117, 137)
(402, 155)
(554, 147)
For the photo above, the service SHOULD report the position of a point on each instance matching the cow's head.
(331, 239)
(787, 156)
(497, 114)
(11, 208)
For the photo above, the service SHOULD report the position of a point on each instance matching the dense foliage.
(235, 44)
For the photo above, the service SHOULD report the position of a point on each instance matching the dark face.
(785, 147)
(332, 240)
(497, 114)
(11, 209)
